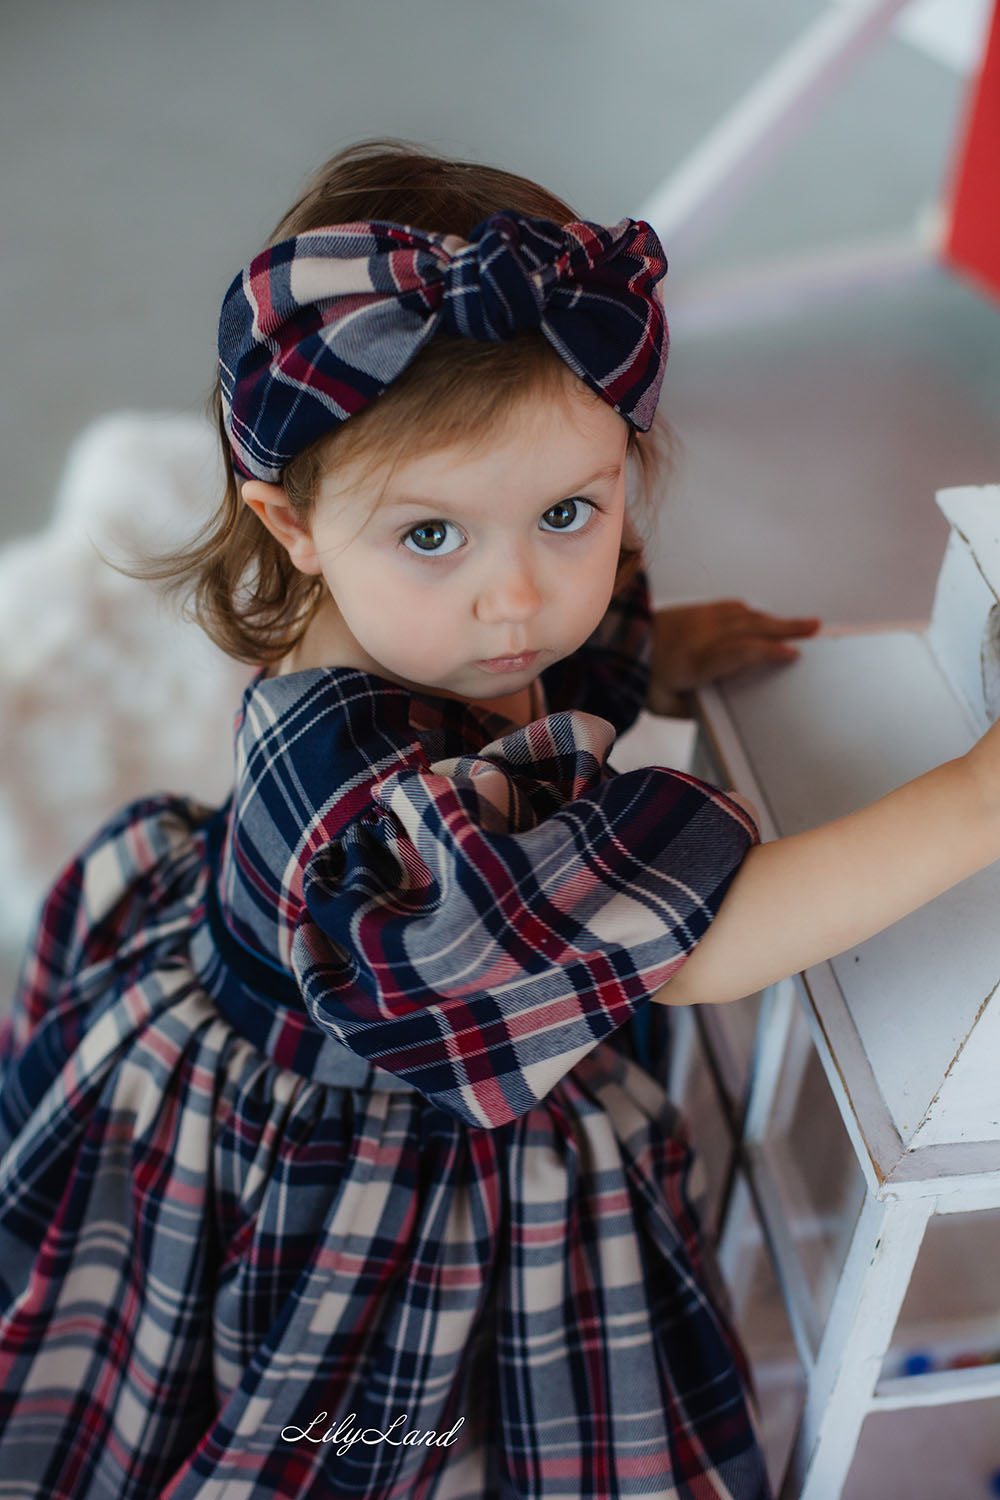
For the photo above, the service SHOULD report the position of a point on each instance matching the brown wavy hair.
(237, 579)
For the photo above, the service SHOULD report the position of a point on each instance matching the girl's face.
(469, 570)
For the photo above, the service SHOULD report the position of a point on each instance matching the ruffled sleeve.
(491, 918)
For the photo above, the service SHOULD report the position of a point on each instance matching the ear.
(270, 503)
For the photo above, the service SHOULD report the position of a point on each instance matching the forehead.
(549, 445)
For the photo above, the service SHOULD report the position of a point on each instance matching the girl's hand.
(697, 643)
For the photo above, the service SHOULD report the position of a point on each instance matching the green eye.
(567, 515)
(435, 537)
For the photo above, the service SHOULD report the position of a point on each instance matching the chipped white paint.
(962, 633)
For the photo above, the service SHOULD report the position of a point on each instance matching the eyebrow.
(607, 471)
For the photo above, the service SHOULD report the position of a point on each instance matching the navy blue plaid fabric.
(245, 1206)
(317, 326)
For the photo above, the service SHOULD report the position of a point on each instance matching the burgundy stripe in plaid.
(212, 1244)
(317, 326)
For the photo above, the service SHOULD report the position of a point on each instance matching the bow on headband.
(316, 327)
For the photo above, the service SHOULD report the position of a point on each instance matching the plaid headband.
(316, 327)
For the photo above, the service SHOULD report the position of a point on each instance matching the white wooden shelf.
(907, 1025)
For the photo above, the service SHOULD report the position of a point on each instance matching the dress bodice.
(467, 906)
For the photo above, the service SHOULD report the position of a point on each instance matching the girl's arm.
(798, 900)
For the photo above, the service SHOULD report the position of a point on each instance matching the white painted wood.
(973, 512)
(907, 1026)
(851, 1077)
(952, 32)
(963, 601)
(798, 1052)
(778, 288)
(854, 714)
(727, 1073)
(961, 1179)
(707, 185)
(854, 717)
(937, 1388)
(720, 754)
(967, 1104)
(683, 1036)
(736, 1230)
(655, 740)
(737, 1245)
(963, 629)
(879, 1264)
(774, 1025)
(719, 757)
(775, 1212)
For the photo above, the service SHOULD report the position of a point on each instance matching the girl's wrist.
(669, 702)
(982, 765)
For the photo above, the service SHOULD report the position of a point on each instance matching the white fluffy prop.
(105, 693)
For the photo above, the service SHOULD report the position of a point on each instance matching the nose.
(509, 594)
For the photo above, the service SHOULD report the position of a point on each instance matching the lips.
(520, 663)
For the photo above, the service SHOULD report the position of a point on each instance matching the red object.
(972, 245)
(969, 1361)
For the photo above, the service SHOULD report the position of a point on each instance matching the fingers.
(700, 643)
(736, 614)
(777, 625)
(735, 621)
(732, 616)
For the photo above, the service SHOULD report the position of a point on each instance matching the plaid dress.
(327, 1168)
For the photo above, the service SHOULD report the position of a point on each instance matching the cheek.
(580, 598)
(375, 611)
(391, 614)
(595, 579)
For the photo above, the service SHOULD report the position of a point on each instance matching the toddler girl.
(328, 1168)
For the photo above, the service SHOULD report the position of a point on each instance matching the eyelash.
(577, 500)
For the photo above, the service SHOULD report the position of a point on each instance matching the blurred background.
(148, 149)
(826, 375)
